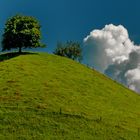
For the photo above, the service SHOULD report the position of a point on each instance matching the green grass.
(47, 97)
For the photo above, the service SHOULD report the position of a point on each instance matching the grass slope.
(49, 97)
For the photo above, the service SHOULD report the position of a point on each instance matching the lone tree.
(69, 49)
(21, 32)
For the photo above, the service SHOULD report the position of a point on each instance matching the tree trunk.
(20, 50)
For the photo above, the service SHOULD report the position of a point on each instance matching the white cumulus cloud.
(111, 51)
(133, 79)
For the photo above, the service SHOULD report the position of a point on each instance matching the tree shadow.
(10, 55)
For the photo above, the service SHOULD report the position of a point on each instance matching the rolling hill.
(47, 97)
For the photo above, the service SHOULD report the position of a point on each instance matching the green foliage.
(47, 97)
(69, 49)
(21, 32)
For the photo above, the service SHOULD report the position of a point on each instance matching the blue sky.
(64, 20)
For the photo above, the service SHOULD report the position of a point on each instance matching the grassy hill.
(47, 97)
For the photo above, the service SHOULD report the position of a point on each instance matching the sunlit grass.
(45, 96)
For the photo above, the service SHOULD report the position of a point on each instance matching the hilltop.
(44, 96)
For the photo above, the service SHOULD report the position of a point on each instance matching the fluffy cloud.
(133, 79)
(111, 51)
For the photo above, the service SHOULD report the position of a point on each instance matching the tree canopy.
(69, 49)
(21, 32)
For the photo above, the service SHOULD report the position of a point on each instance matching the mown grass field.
(47, 97)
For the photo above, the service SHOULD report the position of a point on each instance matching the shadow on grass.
(10, 55)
